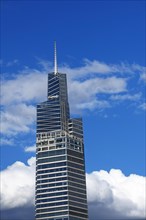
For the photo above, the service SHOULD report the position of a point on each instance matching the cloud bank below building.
(111, 195)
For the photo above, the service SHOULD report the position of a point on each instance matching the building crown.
(55, 59)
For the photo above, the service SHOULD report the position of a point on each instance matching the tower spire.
(55, 59)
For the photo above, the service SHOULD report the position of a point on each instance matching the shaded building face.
(60, 165)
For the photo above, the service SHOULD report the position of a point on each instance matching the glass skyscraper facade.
(60, 165)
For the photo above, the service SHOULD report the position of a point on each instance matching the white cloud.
(124, 97)
(17, 185)
(30, 148)
(110, 194)
(11, 63)
(91, 105)
(17, 118)
(143, 106)
(6, 141)
(114, 195)
(29, 85)
(21, 93)
(143, 77)
(99, 85)
(96, 67)
(82, 95)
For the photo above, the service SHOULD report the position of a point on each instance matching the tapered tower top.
(55, 59)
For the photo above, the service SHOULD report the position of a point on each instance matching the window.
(52, 209)
(44, 166)
(51, 204)
(44, 148)
(52, 199)
(51, 214)
(57, 189)
(51, 159)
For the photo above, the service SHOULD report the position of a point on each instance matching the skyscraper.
(60, 165)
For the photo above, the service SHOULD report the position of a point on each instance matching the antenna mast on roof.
(55, 59)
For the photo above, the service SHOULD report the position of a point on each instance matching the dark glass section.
(51, 204)
(81, 205)
(74, 165)
(51, 175)
(52, 199)
(76, 189)
(51, 159)
(76, 127)
(51, 153)
(75, 199)
(51, 185)
(54, 113)
(75, 153)
(79, 185)
(75, 213)
(45, 166)
(52, 209)
(52, 170)
(52, 189)
(76, 160)
(51, 180)
(51, 214)
(47, 119)
(51, 194)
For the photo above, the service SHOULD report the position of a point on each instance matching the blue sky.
(101, 47)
